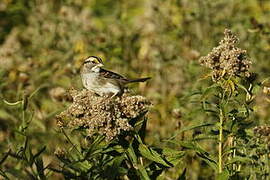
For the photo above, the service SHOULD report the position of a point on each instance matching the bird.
(101, 81)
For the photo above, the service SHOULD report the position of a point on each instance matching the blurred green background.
(43, 43)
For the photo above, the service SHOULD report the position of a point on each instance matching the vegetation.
(203, 115)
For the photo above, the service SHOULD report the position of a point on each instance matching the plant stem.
(69, 140)
(220, 141)
(234, 154)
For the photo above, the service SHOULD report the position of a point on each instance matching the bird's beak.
(100, 65)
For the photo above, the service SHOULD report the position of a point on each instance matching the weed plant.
(199, 126)
(228, 104)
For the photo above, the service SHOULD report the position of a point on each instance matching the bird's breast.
(89, 80)
(92, 82)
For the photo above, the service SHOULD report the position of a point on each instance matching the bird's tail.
(138, 80)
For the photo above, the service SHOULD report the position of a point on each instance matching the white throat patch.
(95, 69)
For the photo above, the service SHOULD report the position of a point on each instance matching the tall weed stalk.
(227, 104)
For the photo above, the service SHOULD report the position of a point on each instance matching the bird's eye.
(90, 60)
(94, 61)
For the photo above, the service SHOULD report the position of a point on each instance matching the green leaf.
(30, 159)
(4, 175)
(223, 176)
(38, 89)
(18, 174)
(189, 145)
(113, 168)
(39, 152)
(191, 128)
(143, 173)
(200, 152)
(206, 158)
(248, 94)
(118, 160)
(5, 157)
(7, 116)
(131, 154)
(209, 89)
(40, 168)
(183, 175)
(151, 154)
(118, 149)
(238, 159)
(95, 148)
(231, 85)
(173, 156)
(205, 137)
(79, 166)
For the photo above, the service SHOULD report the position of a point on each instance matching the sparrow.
(101, 81)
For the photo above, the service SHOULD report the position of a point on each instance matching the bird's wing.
(111, 75)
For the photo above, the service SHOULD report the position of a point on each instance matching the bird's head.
(92, 63)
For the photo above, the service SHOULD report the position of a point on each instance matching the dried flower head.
(262, 130)
(266, 90)
(227, 60)
(105, 116)
(263, 134)
(176, 113)
(61, 153)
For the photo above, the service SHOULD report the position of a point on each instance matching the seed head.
(226, 60)
(102, 115)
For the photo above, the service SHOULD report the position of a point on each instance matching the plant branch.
(220, 141)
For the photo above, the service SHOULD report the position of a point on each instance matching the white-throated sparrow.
(102, 81)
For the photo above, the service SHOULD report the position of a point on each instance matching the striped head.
(92, 64)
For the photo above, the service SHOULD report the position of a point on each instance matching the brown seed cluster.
(263, 133)
(60, 153)
(266, 90)
(227, 60)
(102, 115)
(262, 130)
